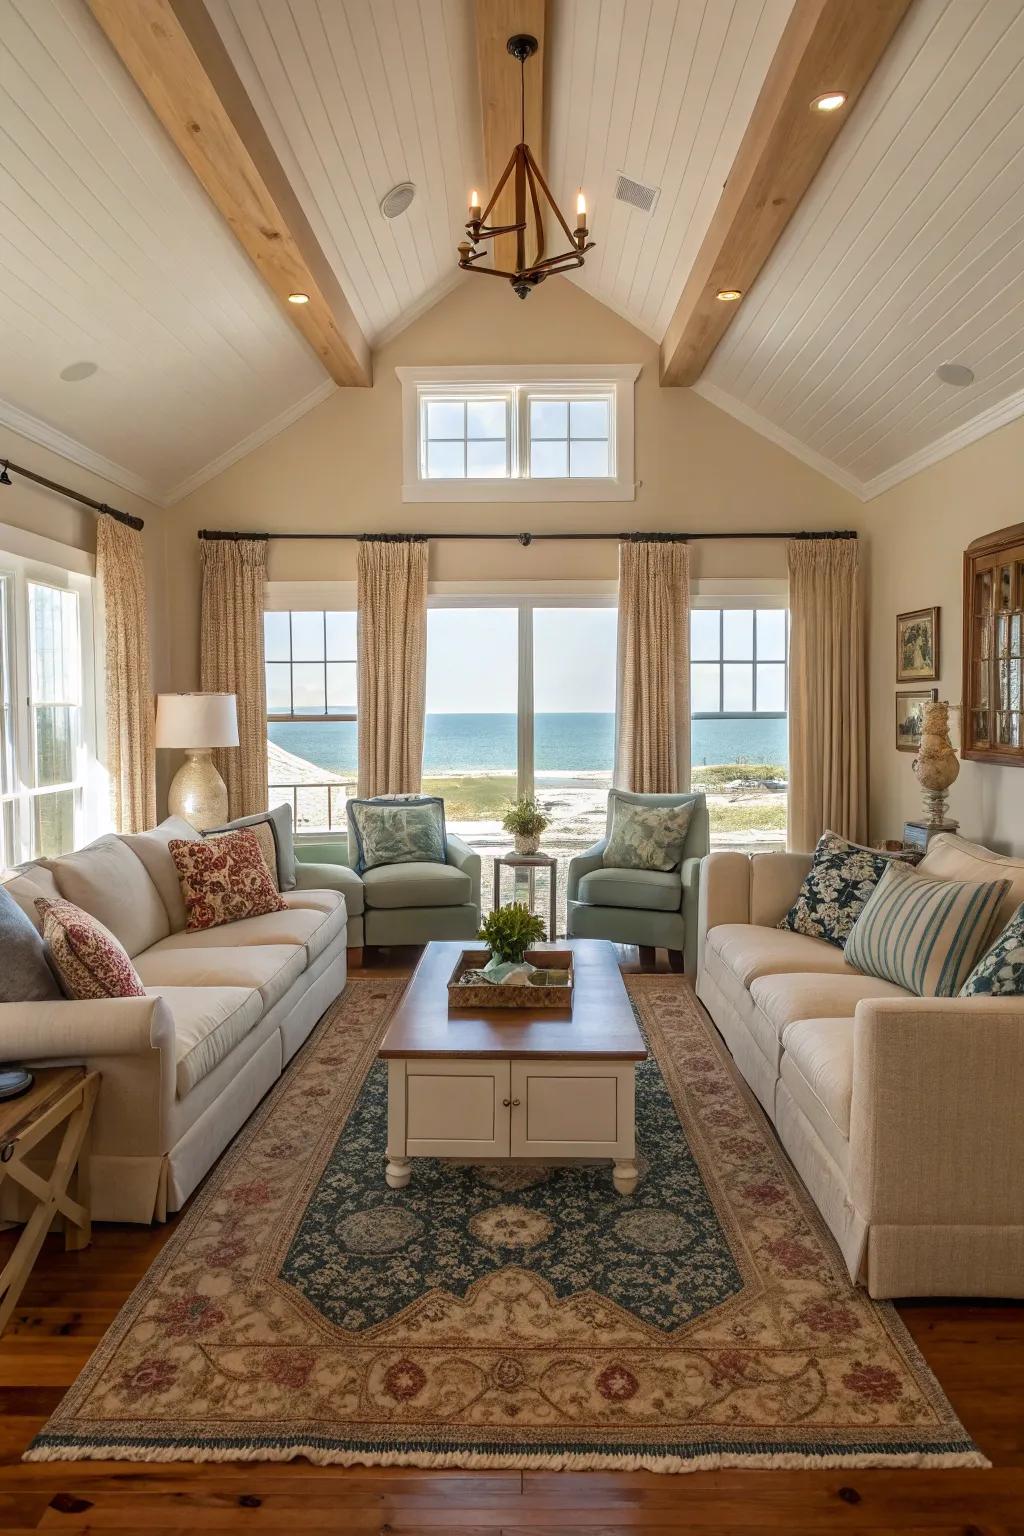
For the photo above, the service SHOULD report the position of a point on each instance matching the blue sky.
(472, 660)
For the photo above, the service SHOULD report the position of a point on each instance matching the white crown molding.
(247, 445)
(781, 439)
(38, 431)
(998, 415)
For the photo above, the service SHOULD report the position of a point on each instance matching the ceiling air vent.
(636, 194)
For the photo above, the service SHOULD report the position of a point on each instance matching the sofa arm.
(582, 864)
(324, 877)
(463, 857)
(936, 1131)
(129, 1041)
(723, 894)
(775, 881)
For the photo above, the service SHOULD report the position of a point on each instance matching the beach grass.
(722, 775)
(473, 797)
(761, 815)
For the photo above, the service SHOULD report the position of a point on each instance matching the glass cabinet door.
(993, 692)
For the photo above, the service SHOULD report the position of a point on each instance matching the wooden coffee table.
(514, 1083)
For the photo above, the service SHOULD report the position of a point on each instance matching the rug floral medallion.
(506, 1315)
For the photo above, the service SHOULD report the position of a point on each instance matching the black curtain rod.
(527, 538)
(65, 490)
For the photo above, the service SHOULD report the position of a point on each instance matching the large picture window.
(48, 768)
(310, 657)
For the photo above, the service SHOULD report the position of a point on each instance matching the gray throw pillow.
(25, 976)
(280, 822)
(403, 829)
(646, 836)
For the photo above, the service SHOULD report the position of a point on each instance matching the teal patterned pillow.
(1000, 972)
(646, 836)
(838, 883)
(404, 829)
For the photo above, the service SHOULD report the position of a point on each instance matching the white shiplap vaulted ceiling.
(111, 253)
(907, 252)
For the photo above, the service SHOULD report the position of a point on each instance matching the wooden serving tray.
(483, 995)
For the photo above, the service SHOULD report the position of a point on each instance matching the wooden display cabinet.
(993, 683)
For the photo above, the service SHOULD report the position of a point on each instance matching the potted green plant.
(526, 820)
(509, 931)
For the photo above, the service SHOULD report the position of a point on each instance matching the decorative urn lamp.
(197, 722)
(936, 766)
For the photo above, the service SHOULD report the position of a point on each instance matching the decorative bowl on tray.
(544, 992)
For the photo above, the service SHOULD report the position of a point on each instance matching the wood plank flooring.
(975, 1349)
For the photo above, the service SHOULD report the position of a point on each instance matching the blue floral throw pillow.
(838, 883)
(1000, 972)
(398, 829)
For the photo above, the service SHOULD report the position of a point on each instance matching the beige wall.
(918, 532)
(340, 467)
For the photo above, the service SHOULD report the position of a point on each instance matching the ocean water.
(563, 743)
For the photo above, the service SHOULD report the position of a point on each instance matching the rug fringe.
(497, 1461)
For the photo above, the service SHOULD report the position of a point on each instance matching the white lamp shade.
(196, 720)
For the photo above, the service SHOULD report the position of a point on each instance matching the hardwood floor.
(975, 1349)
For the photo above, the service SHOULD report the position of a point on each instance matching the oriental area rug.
(506, 1315)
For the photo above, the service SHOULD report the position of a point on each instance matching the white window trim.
(30, 557)
(579, 378)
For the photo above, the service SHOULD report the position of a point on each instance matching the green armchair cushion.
(417, 885)
(646, 890)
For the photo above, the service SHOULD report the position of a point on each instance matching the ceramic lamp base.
(198, 793)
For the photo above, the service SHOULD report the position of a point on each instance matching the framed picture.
(917, 646)
(910, 717)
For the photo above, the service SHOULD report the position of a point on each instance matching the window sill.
(610, 489)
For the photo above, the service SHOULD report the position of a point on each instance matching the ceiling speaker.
(397, 200)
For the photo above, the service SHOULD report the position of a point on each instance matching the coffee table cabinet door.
(457, 1108)
(572, 1109)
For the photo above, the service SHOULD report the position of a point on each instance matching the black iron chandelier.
(528, 177)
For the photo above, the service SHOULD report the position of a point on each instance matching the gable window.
(518, 434)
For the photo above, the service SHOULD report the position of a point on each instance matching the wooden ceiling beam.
(175, 55)
(496, 22)
(827, 45)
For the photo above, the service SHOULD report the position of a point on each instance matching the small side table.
(531, 862)
(59, 1096)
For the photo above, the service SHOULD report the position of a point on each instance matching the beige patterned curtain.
(131, 759)
(231, 661)
(827, 727)
(392, 601)
(652, 754)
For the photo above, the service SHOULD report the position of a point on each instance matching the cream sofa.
(226, 1009)
(903, 1115)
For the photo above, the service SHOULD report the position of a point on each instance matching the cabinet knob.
(506, 1103)
(515, 1103)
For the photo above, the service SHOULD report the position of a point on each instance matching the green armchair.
(648, 908)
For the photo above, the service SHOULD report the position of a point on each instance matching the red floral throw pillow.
(90, 961)
(224, 879)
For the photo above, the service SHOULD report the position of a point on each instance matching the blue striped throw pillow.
(924, 935)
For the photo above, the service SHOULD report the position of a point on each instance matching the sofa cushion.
(924, 934)
(416, 885)
(151, 847)
(27, 974)
(264, 835)
(111, 882)
(840, 880)
(90, 961)
(274, 828)
(1000, 971)
(208, 1024)
(783, 999)
(224, 880)
(953, 858)
(270, 968)
(817, 1068)
(749, 951)
(647, 890)
(27, 885)
(313, 927)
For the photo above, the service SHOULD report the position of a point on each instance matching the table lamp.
(197, 722)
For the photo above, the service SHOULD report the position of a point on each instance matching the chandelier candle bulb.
(474, 207)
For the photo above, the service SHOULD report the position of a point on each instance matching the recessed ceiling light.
(75, 372)
(298, 298)
(830, 102)
(397, 200)
(955, 373)
(729, 295)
